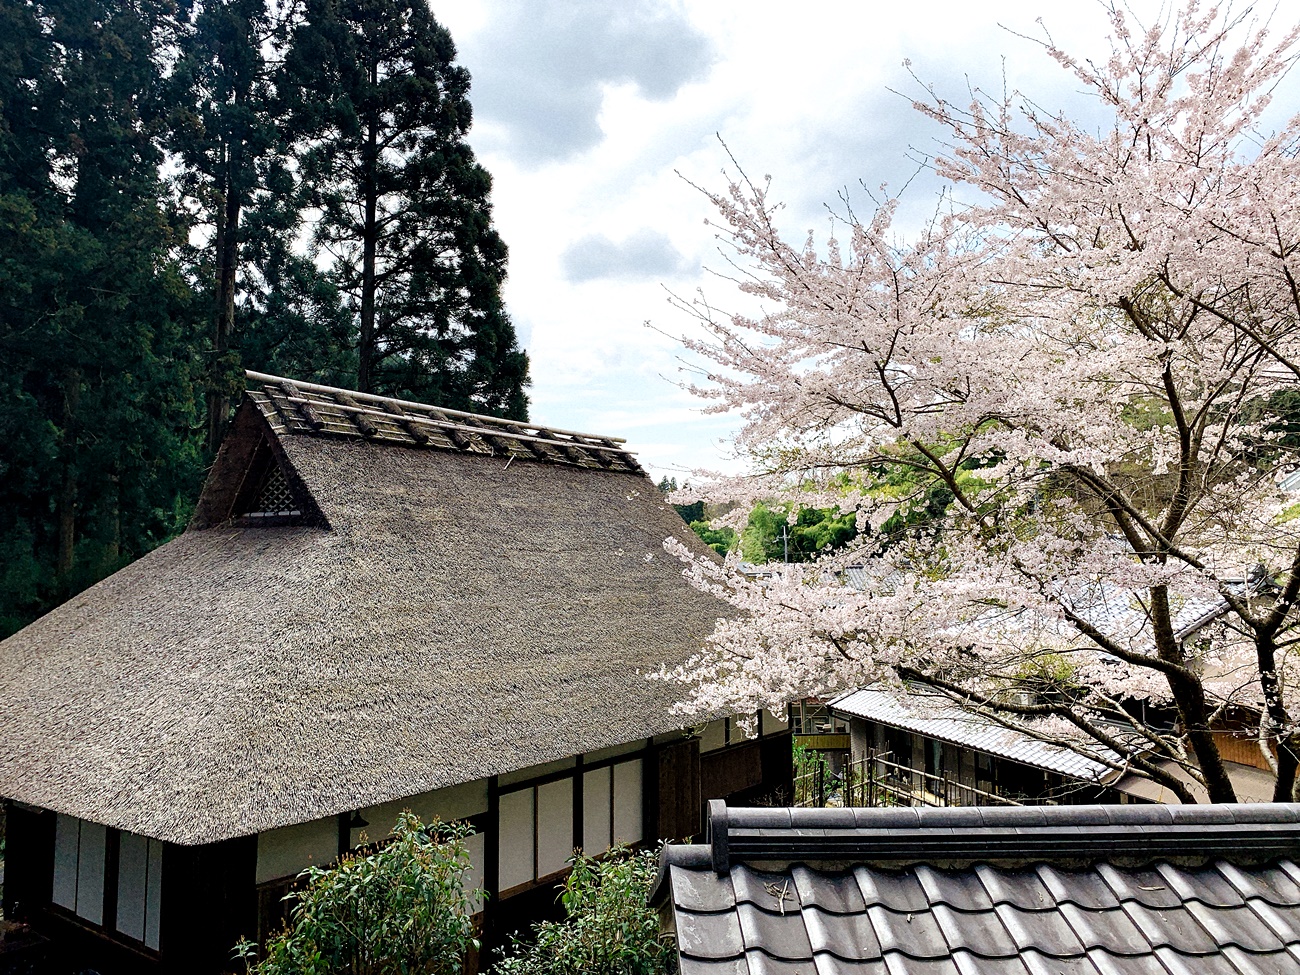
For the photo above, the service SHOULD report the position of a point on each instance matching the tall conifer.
(381, 109)
(224, 129)
(96, 333)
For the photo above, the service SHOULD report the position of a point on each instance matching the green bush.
(610, 929)
(401, 910)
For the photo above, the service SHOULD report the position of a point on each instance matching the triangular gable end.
(252, 482)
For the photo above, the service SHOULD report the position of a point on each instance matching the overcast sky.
(587, 111)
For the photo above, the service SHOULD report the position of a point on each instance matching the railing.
(878, 781)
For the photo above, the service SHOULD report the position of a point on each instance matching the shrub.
(610, 929)
(400, 910)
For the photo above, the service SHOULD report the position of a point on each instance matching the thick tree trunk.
(1288, 748)
(1189, 696)
(223, 327)
(68, 488)
(370, 235)
(115, 496)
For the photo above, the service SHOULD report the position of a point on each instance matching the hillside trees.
(378, 111)
(97, 331)
(160, 180)
(1079, 371)
(224, 131)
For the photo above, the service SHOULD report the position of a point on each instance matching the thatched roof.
(424, 612)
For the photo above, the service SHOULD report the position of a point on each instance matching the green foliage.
(769, 534)
(692, 512)
(98, 325)
(609, 928)
(378, 111)
(402, 910)
(222, 126)
(721, 540)
(156, 162)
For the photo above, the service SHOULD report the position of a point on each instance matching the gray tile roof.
(935, 716)
(1066, 890)
(1121, 614)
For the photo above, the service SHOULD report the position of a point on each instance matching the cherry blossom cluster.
(1081, 370)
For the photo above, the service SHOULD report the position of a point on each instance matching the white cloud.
(643, 254)
(542, 69)
(586, 113)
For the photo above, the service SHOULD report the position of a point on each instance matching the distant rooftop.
(935, 716)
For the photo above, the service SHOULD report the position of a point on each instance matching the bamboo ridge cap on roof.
(481, 431)
(262, 377)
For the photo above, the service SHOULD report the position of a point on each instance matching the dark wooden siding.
(679, 790)
(209, 903)
(731, 770)
(29, 861)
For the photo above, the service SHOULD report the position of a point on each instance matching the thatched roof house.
(376, 599)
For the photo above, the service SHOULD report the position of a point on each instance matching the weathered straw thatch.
(440, 612)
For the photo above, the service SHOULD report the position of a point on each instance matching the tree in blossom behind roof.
(1089, 360)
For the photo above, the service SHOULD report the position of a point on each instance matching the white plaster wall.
(132, 884)
(67, 836)
(456, 802)
(714, 737)
(90, 872)
(596, 821)
(773, 723)
(554, 826)
(153, 895)
(476, 846)
(615, 750)
(516, 838)
(536, 771)
(287, 851)
(139, 888)
(627, 802)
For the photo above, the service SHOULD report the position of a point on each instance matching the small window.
(266, 496)
(273, 498)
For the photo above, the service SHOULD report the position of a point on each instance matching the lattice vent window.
(274, 499)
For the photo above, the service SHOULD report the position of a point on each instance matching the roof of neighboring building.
(1121, 614)
(433, 598)
(1054, 890)
(936, 716)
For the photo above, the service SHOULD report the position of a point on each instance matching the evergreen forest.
(192, 188)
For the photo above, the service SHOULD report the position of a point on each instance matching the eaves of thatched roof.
(433, 609)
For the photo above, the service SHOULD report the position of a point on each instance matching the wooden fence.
(879, 781)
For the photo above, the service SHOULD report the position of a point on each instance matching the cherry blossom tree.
(1056, 413)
